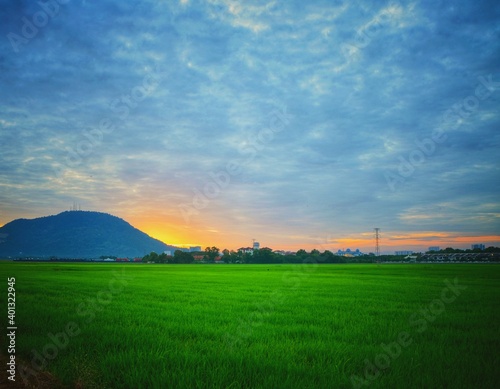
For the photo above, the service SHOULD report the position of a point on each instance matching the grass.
(258, 326)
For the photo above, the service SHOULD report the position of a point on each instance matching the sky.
(298, 124)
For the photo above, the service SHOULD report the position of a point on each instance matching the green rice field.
(254, 326)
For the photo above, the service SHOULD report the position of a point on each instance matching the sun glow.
(177, 233)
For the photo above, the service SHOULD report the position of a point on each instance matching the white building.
(246, 250)
(350, 253)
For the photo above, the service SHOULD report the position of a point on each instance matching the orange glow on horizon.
(175, 232)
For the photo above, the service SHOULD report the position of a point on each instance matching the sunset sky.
(302, 124)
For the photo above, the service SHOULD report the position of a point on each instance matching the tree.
(183, 257)
(230, 256)
(162, 258)
(245, 257)
(314, 256)
(211, 253)
(264, 255)
(301, 253)
(327, 256)
(151, 257)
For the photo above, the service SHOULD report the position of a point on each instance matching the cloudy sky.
(300, 124)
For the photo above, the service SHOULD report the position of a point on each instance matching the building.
(246, 250)
(434, 248)
(479, 246)
(195, 249)
(350, 253)
(403, 252)
(256, 245)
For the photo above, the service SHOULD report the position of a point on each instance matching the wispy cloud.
(364, 83)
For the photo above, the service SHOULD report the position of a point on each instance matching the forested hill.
(76, 234)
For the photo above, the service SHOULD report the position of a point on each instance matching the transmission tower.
(377, 238)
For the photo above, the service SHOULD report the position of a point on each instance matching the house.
(246, 250)
(411, 258)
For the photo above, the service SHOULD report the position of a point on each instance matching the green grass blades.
(256, 326)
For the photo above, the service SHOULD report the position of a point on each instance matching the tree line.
(263, 255)
(267, 255)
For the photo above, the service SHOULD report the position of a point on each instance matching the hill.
(76, 234)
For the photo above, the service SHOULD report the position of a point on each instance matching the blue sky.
(300, 124)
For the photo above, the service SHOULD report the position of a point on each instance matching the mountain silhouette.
(76, 234)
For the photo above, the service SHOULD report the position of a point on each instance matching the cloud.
(363, 85)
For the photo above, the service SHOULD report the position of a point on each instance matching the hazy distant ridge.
(76, 234)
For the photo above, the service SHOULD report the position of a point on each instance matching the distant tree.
(177, 253)
(449, 250)
(211, 253)
(264, 255)
(245, 257)
(230, 256)
(326, 257)
(301, 253)
(314, 256)
(151, 257)
(162, 258)
(236, 257)
(154, 257)
(182, 257)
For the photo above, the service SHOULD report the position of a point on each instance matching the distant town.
(254, 254)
